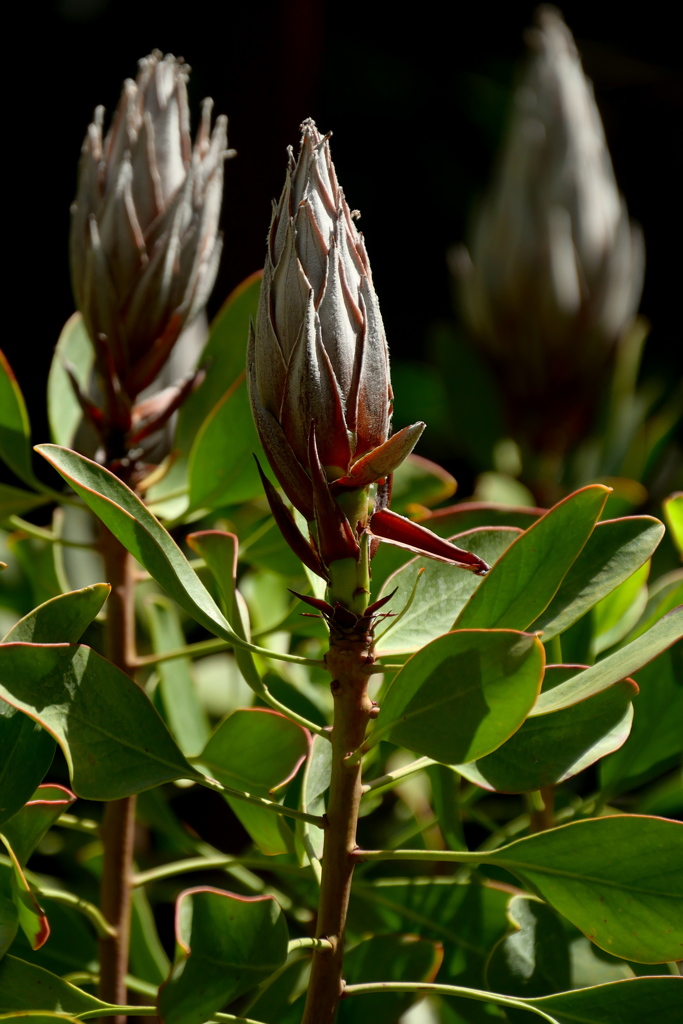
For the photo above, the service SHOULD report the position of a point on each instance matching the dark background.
(417, 102)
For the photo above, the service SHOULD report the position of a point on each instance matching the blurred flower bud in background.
(145, 244)
(318, 372)
(554, 272)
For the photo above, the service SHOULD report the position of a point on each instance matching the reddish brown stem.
(347, 660)
(540, 820)
(119, 817)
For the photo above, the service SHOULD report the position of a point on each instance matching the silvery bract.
(318, 370)
(144, 234)
(556, 268)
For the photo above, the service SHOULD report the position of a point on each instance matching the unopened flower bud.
(554, 272)
(318, 368)
(144, 233)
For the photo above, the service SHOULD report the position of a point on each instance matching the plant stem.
(447, 990)
(347, 661)
(541, 810)
(119, 816)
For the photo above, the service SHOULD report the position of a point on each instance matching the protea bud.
(318, 369)
(556, 268)
(145, 244)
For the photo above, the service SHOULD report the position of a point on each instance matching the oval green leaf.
(74, 349)
(114, 741)
(62, 619)
(618, 879)
(441, 593)
(632, 1001)
(463, 695)
(25, 986)
(617, 666)
(525, 580)
(26, 753)
(222, 470)
(140, 533)
(613, 552)
(228, 944)
(548, 749)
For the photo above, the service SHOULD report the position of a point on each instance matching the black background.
(417, 103)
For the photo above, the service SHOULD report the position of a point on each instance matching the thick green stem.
(347, 660)
(119, 816)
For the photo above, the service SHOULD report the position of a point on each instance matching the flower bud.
(144, 232)
(318, 353)
(555, 270)
(318, 368)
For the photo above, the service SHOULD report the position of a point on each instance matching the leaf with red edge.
(463, 695)
(26, 828)
(548, 749)
(32, 918)
(227, 944)
(15, 429)
(527, 577)
(258, 751)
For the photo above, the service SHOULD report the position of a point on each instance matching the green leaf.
(441, 593)
(32, 919)
(141, 534)
(72, 945)
(26, 750)
(673, 513)
(258, 751)
(9, 923)
(26, 753)
(14, 501)
(148, 959)
(114, 742)
(617, 666)
(632, 1001)
(618, 879)
(222, 470)
(315, 783)
(463, 695)
(664, 595)
(220, 551)
(656, 737)
(24, 986)
(613, 552)
(533, 959)
(175, 698)
(228, 944)
(551, 748)
(526, 579)
(73, 349)
(224, 357)
(617, 614)
(26, 828)
(386, 958)
(62, 619)
(15, 429)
